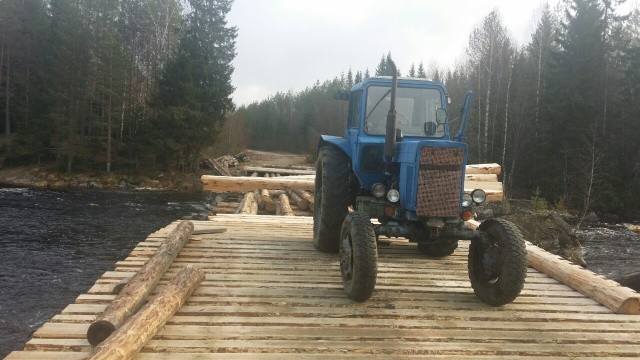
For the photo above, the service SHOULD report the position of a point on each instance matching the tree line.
(560, 113)
(130, 84)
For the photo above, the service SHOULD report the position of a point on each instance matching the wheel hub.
(346, 258)
(490, 263)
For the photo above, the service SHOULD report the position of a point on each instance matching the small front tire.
(498, 262)
(358, 256)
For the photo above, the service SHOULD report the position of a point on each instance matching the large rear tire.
(498, 262)
(358, 256)
(332, 197)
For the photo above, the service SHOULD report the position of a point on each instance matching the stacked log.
(127, 341)
(283, 206)
(135, 292)
(302, 203)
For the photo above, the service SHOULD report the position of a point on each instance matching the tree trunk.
(140, 286)
(109, 111)
(7, 120)
(127, 341)
(506, 115)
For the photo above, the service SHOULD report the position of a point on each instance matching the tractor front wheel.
(498, 262)
(358, 256)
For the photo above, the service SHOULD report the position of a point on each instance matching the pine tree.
(421, 72)
(412, 70)
(349, 78)
(382, 70)
(367, 74)
(358, 77)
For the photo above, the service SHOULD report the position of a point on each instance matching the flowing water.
(54, 245)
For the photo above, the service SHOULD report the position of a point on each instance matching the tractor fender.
(337, 141)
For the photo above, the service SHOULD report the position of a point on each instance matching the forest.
(560, 113)
(134, 85)
(126, 84)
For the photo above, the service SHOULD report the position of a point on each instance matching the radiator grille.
(439, 181)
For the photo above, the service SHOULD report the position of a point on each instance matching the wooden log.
(248, 204)
(305, 195)
(279, 170)
(231, 183)
(140, 286)
(300, 202)
(285, 207)
(609, 293)
(483, 169)
(127, 341)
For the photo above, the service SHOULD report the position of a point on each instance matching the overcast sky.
(287, 45)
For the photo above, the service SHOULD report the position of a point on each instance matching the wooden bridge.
(269, 295)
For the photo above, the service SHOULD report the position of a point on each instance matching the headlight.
(393, 195)
(466, 200)
(478, 196)
(378, 190)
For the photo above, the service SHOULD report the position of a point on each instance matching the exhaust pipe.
(390, 137)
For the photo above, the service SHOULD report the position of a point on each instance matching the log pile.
(121, 330)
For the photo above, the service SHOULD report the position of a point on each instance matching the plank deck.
(269, 295)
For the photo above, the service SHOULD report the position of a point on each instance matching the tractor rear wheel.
(358, 256)
(332, 197)
(438, 249)
(498, 262)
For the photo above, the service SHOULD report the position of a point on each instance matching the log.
(248, 204)
(609, 293)
(140, 286)
(127, 341)
(267, 202)
(215, 165)
(285, 207)
(279, 170)
(300, 202)
(483, 169)
(234, 184)
(305, 195)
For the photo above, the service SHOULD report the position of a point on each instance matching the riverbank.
(36, 177)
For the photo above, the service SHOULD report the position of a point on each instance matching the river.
(55, 244)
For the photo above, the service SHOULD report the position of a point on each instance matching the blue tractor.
(399, 163)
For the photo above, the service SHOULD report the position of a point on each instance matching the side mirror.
(341, 95)
(441, 116)
(430, 128)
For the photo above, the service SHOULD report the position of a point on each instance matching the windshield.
(414, 107)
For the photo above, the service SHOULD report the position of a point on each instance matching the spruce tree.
(421, 73)
(195, 90)
(412, 70)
